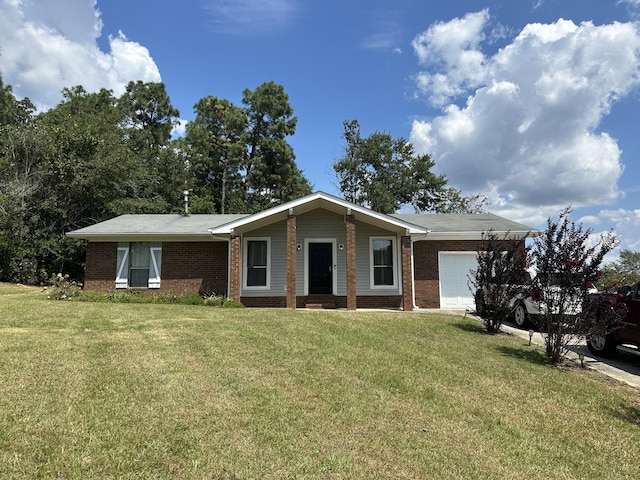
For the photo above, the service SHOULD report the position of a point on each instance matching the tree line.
(95, 156)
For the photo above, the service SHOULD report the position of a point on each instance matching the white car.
(526, 309)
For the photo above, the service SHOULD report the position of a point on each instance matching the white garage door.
(454, 272)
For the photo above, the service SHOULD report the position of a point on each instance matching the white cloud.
(454, 46)
(247, 17)
(180, 128)
(527, 133)
(626, 226)
(387, 33)
(47, 46)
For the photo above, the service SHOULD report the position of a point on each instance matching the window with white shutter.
(139, 265)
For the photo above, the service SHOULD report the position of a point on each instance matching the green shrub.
(221, 302)
(72, 290)
(124, 296)
(164, 298)
(192, 299)
(61, 288)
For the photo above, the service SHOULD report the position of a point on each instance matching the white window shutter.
(155, 266)
(122, 268)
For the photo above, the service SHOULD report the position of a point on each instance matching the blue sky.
(531, 102)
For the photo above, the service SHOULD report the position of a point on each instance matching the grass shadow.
(627, 413)
(471, 327)
(477, 328)
(529, 354)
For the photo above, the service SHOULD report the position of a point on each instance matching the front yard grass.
(107, 390)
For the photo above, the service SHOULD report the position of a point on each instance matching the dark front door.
(320, 268)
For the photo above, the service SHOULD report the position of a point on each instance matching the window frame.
(245, 264)
(123, 265)
(394, 265)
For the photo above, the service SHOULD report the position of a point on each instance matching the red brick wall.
(265, 302)
(100, 270)
(187, 267)
(194, 267)
(382, 301)
(425, 257)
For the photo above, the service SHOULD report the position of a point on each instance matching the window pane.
(257, 253)
(139, 255)
(257, 263)
(256, 277)
(139, 277)
(382, 262)
(382, 253)
(383, 276)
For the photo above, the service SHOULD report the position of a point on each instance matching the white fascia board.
(476, 235)
(141, 237)
(314, 197)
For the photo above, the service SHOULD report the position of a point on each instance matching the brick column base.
(351, 262)
(407, 277)
(291, 261)
(235, 268)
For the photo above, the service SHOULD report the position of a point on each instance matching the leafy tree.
(63, 169)
(218, 153)
(240, 158)
(384, 173)
(147, 122)
(21, 146)
(149, 116)
(451, 200)
(349, 170)
(272, 175)
(13, 111)
(499, 278)
(566, 266)
(624, 271)
(21, 178)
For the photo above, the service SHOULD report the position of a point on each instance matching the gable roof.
(312, 202)
(152, 226)
(204, 227)
(468, 226)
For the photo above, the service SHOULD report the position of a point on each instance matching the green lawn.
(104, 390)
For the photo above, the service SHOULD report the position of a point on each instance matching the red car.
(626, 338)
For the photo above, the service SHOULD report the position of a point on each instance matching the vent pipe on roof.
(186, 202)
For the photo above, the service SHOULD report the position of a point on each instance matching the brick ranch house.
(318, 250)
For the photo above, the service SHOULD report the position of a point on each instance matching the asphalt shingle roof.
(156, 224)
(458, 223)
(199, 225)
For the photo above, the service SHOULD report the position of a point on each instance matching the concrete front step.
(320, 301)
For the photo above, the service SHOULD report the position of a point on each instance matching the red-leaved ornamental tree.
(567, 263)
(500, 278)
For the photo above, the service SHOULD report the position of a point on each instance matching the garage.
(454, 271)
